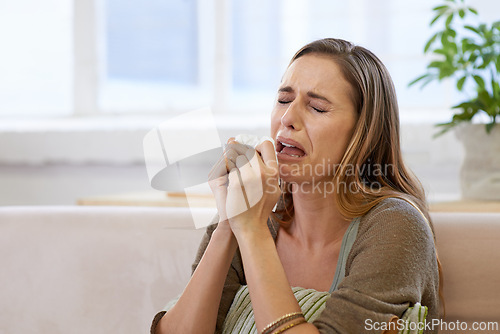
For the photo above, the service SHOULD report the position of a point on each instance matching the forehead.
(314, 72)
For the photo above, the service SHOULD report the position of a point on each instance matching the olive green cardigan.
(391, 266)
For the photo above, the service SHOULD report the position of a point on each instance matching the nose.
(291, 117)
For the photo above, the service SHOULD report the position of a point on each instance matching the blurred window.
(35, 57)
(169, 56)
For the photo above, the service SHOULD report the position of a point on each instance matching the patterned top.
(240, 318)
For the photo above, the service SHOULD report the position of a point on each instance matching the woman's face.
(313, 119)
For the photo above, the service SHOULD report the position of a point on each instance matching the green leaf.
(479, 81)
(448, 38)
(429, 42)
(435, 19)
(483, 28)
(464, 116)
(449, 19)
(461, 12)
(442, 52)
(490, 126)
(446, 71)
(471, 28)
(418, 79)
(472, 10)
(454, 47)
(484, 100)
(487, 58)
(429, 79)
(473, 58)
(460, 83)
(445, 39)
(467, 45)
(440, 8)
(445, 128)
(469, 109)
(463, 105)
(435, 64)
(495, 85)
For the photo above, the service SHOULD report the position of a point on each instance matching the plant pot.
(480, 171)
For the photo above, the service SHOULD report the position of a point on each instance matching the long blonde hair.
(375, 144)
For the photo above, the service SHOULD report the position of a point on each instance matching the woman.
(349, 228)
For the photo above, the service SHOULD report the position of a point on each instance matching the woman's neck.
(317, 220)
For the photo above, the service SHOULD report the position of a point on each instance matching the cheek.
(334, 141)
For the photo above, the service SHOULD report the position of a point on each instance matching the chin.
(290, 172)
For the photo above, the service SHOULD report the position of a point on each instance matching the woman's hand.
(253, 186)
(245, 184)
(218, 180)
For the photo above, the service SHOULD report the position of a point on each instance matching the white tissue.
(252, 140)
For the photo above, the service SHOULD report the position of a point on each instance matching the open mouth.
(289, 149)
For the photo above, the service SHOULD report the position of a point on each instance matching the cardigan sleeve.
(235, 278)
(391, 266)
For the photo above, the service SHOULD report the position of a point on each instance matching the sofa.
(85, 269)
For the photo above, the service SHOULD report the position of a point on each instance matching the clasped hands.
(245, 183)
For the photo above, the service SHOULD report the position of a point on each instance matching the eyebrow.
(288, 89)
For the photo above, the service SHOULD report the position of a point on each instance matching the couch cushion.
(91, 269)
(110, 269)
(469, 249)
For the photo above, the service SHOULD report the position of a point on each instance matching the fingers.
(237, 201)
(239, 148)
(268, 153)
(219, 189)
(242, 174)
(243, 164)
(251, 178)
(218, 170)
(230, 158)
(234, 150)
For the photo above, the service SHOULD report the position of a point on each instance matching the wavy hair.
(375, 144)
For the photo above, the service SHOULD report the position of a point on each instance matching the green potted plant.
(468, 52)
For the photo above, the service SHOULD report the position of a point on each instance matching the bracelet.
(284, 319)
(298, 322)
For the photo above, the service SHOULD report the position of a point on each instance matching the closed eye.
(319, 110)
(283, 101)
